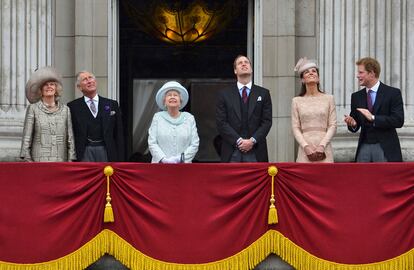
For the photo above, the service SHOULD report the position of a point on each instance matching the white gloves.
(174, 159)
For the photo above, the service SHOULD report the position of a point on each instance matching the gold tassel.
(108, 214)
(272, 218)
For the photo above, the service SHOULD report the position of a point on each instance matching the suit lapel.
(104, 110)
(84, 113)
(378, 98)
(235, 99)
(252, 100)
(363, 99)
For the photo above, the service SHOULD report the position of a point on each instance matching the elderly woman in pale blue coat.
(173, 134)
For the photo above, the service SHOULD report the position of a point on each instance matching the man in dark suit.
(97, 123)
(244, 117)
(378, 110)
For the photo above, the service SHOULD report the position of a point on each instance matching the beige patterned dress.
(314, 123)
(47, 135)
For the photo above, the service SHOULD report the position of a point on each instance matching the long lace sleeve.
(331, 125)
(296, 125)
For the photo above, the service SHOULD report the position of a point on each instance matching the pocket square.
(259, 98)
(112, 113)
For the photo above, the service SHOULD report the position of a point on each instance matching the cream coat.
(170, 137)
(47, 136)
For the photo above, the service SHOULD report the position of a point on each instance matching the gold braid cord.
(109, 213)
(272, 218)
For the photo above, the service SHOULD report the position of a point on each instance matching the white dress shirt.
(375, 91)
(248, 88)
(95, 100)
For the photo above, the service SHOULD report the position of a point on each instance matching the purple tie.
(244, 94)
(369, 100)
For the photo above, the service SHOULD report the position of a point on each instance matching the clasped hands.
(315, 153)
(245, 145)
(172, 160)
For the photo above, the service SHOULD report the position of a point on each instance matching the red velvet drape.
(198, 213)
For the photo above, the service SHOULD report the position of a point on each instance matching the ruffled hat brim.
(37, 79)
(304, 64)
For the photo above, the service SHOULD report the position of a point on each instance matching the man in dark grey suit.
(97, 123)
(378, 110)
(244, 117)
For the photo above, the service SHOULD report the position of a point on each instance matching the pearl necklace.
(50, 107)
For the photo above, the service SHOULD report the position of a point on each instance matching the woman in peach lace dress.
(313, 116)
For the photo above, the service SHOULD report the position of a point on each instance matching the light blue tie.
(373, 96)
(92, 106)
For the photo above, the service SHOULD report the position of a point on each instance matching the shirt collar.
(240, 86)
(375, 87)
(95, 98)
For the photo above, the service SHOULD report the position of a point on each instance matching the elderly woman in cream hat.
(313, 116)
(47, 133)
(173, 134)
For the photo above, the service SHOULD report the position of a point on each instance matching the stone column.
(91, 40)
(349, 30)
(86, 39)
(26, 44)
(64, 46)
(278, 59)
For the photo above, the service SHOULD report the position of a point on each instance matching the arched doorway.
(146, 61)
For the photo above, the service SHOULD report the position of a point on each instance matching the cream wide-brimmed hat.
(37, 79)
(304, 64)
(171, 85)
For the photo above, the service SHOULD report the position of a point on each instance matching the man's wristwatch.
(372, 117)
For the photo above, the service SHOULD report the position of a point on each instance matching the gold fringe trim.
(79, 259)
(271, 242)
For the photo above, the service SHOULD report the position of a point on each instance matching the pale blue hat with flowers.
(168, 86)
